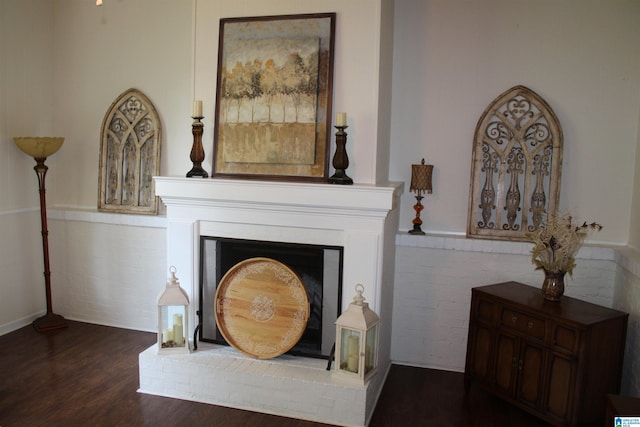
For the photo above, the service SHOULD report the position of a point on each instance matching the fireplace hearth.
(359, 222)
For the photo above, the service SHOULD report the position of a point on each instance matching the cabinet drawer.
(566, 338)
(523, 323)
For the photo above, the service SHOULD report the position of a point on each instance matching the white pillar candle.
(341, 119)
(177, 318)
(178, 335)
(197, 109)
(352, 363)
(167, 335)
(352, 346)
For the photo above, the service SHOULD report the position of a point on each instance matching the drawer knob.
(530, 325)
(514, 319)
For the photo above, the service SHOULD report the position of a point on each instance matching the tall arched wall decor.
(129, 155)
(516, 167)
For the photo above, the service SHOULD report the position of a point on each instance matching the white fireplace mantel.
(350, 216)
(365, 200)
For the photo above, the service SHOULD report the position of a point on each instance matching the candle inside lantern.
(352, 363)
(178, 335)
(352, 353)
(197, 109)
(352, 346)
(341, 119)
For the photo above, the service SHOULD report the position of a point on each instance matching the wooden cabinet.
(556, 360)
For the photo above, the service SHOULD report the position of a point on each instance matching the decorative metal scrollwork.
(129, 155)
(517, 165)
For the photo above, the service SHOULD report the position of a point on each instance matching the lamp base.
(49, 322)
(416, 230)
(417, 222)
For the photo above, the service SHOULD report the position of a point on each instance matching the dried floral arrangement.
(556, 244)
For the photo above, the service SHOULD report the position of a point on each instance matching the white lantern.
(173, 309)
(357, 341)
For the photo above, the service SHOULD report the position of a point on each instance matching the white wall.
(356, 71)
(26, 76)
(453, 58)
(63, 64)
(101, 52)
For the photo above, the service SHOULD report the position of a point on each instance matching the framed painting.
(274, 97)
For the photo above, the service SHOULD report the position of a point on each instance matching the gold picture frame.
(274, 97)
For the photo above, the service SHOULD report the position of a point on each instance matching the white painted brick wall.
(109, 274)
(432, 294)
(433, 285)
(627, 297)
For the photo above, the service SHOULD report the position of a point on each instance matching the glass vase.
(553, 285)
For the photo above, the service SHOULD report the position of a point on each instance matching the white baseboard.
(19, 323)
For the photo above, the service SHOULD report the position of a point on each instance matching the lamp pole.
(49, 321)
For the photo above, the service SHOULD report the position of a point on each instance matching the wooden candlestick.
(340, 159)
(197, 151)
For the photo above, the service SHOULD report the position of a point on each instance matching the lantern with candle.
(173, 311)
(357, 341)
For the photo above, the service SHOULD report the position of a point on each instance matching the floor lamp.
(40, 149)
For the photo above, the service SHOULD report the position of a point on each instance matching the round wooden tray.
(261, 307)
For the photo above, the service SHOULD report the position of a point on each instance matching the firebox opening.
(319, 267)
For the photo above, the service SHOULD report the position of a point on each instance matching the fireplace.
(358, 221)
(319, 268)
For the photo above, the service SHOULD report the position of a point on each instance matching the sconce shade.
(38, 147)
(421, 177)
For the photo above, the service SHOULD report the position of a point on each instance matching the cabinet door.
(562, 372)
(506, 363)
(530, 369)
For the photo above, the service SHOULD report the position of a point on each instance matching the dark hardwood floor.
(87, 375)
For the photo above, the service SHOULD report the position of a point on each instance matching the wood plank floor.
(87, 375)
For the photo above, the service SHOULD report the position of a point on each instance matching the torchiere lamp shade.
(39, 147)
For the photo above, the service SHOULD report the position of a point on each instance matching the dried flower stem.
(557, 242)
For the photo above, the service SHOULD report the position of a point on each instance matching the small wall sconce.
(420, 183)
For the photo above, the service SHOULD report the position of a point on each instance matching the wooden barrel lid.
(261, 307)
